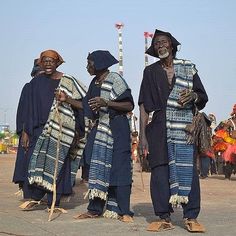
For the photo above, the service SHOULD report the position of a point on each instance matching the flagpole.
(119, 27)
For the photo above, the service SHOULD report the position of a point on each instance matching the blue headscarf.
(102, 59)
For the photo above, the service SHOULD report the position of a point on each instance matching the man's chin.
(163, 56)
(48, 71)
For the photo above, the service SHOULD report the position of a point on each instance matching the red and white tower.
(146, 36)
(119, 26)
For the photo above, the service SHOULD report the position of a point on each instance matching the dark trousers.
(122, 196)
(38, 194)
(204, 166)
(160, 194)
(27, 190)
(228, 168)
(63, 186)
(85, 172)
(213, 166)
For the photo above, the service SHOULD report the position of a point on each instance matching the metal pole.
(119, 26)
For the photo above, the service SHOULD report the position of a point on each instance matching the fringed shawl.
(42, 163)
(99, 174)
(180, 153)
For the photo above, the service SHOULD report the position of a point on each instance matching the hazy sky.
(205, 28)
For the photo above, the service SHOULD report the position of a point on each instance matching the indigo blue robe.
(121, 160)
(154, 93)
(20, 170)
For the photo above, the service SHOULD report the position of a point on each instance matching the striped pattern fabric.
(101, 160)
(180, 167)
(42, 162)
(179, 152)
(112, 209)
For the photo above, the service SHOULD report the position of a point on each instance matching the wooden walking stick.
(141, 171)
(54, 187)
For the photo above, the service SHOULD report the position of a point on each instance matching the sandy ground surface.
(218, 212)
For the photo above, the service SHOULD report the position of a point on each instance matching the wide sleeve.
(201, 92)
(124, 97)
(144, 89)
(22, 110)
(154, 89)
(24, 116)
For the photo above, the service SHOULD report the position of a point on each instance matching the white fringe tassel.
(39, 180)
(176, 200)
(110, 214)
(92, 193)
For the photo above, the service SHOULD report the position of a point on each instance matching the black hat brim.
(150, 51)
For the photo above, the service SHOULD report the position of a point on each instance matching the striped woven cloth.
(42, 162)
(179, 152)
(99, 174)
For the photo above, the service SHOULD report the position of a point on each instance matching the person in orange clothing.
(230, 153)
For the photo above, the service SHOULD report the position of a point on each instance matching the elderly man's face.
(90, 67)
(49, 65)
(162, 46)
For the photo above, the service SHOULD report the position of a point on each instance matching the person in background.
(206, 158)
(108, 147)
(213, 164)
(204, 166)
(230, 153)
(171, 88)
(22, 129)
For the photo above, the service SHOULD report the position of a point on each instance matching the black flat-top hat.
(150, 51)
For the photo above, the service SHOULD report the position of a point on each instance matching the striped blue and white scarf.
(101, 161)
(180, 153)
(42, 162)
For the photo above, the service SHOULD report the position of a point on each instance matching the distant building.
(4, 128)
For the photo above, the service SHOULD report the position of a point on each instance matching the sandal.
(19, 193)
(160, 225)
(126, 219)
(192, 225)
(57, 210)
(29, 205)
(86, 215)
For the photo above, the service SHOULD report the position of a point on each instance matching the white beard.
(163, 53)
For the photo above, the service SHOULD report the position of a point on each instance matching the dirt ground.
(218, 212)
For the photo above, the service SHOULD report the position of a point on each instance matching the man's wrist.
(106, 103)
(67, 98)
(195, 97)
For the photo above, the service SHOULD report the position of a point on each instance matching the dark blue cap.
(102, 59)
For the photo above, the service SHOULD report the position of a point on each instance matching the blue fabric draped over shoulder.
(153, 95)
(45, 129)
(119, 124)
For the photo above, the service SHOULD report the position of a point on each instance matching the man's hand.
(61, 95)
(187, 96)
(143, 147)
(96, 103)
(25, 140)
